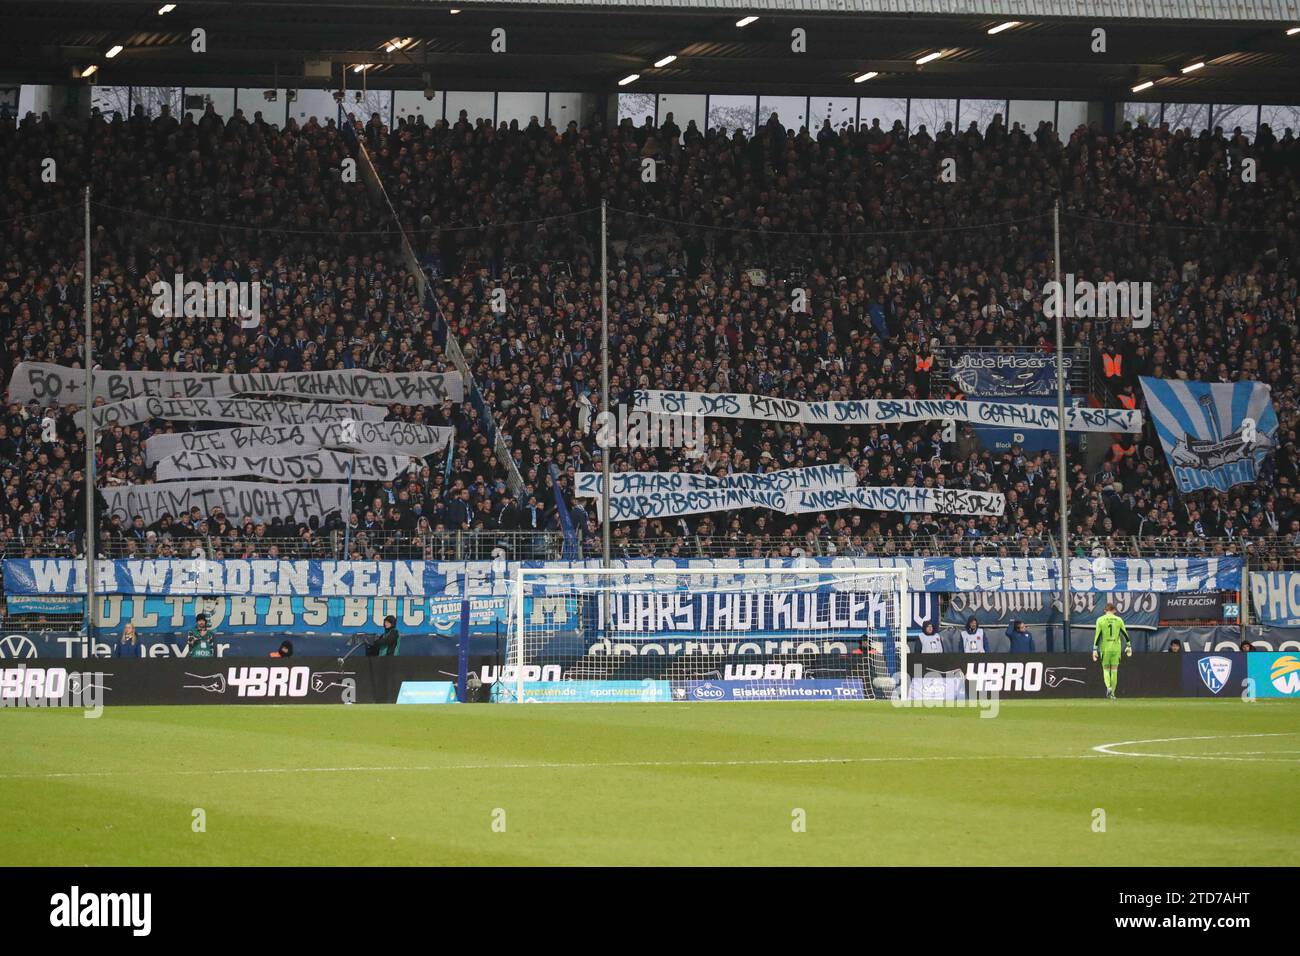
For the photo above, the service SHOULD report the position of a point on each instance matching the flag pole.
(604, 385)
(90, 447)
(1062, 474)
(347, 515)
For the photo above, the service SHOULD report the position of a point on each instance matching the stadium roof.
(581, 47)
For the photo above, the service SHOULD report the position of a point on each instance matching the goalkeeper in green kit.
(1110, 632)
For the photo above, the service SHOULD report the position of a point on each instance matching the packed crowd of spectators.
(703, 261)
(335, 295)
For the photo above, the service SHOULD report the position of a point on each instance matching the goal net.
(705, 634)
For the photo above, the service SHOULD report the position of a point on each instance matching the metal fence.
(1283, 551)
(1279, 552)
(334, 545)
(780, 546)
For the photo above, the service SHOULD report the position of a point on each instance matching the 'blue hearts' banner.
(1002, 375)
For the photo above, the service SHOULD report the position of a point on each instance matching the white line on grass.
(594, 765)
(1253, 756)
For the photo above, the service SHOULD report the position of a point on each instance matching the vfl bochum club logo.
(1215, 672)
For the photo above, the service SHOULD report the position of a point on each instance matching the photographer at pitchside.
(201, 642)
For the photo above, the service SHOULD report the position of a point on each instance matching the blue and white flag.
(1215, 436)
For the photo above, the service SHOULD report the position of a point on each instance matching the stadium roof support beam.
(1278, 11)
(1240, 11)
(582, 48)
(718, 67)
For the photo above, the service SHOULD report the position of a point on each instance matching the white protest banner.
(672, 504)
(719, 405)
(322, 465)
(241, 411)
(238, 499)
(662, 504)
(373, 438)
(1005, 414)
(940, 501)
(390, 438)
(588, 484)
(885, 411)
(60, 385)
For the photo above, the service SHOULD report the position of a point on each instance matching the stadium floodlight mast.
(90, 447)
(1062, 487)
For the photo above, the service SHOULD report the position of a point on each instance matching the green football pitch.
(1141, 782)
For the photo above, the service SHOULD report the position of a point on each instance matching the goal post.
(695, 633)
